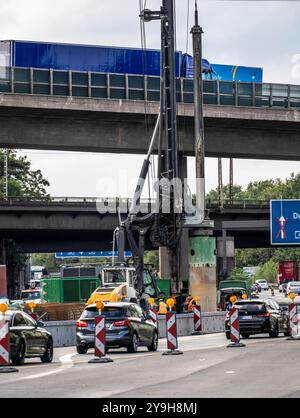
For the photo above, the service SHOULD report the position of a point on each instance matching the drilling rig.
(173, 209)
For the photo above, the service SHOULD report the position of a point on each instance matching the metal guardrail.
(139, 87)
(123, 202)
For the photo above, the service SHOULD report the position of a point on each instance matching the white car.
(293, 287)
(4, 301)
(263, 284)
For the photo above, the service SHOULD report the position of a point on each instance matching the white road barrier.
(64, 332)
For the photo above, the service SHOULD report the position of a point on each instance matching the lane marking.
(230, 372)
(66, 363)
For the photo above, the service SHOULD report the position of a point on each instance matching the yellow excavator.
(117, 285)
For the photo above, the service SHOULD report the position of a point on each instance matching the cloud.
(251, 33)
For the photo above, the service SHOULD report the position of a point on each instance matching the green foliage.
(152, 257)
(266, 258)
(237, 192)
(267, 271)
(253, 256)
(238, 274)
(22, 180)
(262, 190)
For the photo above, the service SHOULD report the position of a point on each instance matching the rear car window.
(19, 321)
(252, 307)
(107, 313)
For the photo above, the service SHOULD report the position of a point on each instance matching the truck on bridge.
(118, 60)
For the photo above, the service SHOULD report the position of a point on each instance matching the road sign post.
(235, 335)
(100, 343)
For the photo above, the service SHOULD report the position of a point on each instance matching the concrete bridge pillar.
(203, 281)
(225, 256)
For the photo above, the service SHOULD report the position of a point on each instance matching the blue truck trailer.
(105, 59)
(99, 59)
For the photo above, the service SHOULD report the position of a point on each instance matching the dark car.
(28, 339)
(260, 317)
(126, 326)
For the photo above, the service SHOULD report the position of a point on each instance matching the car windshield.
(111, 312)
(31, 295)
(114, 276)
(252, 308)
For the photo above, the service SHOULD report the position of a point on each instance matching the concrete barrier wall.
(211, 323)
(64, 332)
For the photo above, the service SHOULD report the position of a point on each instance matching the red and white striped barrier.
(171, 320)
(4, 343)
(153, 316)
(172, 331)
(100, 350)
(100, 343)
(293, 315)
(197, 319)
(235, 335)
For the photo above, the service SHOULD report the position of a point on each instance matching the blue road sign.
(285, 222)
(96, 254)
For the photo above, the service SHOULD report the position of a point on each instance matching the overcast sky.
(250, 33)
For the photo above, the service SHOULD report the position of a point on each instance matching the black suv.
(260, 317)
(126, 326)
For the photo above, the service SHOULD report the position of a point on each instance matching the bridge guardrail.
(139, 87)
(124, 202)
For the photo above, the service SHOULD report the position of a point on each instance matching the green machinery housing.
(72, 284)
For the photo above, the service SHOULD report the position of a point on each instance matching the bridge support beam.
(203, 280)
(225, 256)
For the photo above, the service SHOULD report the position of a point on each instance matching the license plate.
(247, 317)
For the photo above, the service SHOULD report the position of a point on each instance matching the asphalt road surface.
(264, 368)
(279, 297)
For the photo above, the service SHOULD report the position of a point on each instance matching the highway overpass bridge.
(74, 224)
(111, 113)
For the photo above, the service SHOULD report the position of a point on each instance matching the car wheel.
(275, 332)
(48, 356)
(82, 349)
(21, 351)
(154, 344)
(133, 347)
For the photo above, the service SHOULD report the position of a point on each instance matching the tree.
(238, 274)
(22, 180)
(267, 271)
(266, 258)
(262, 190)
